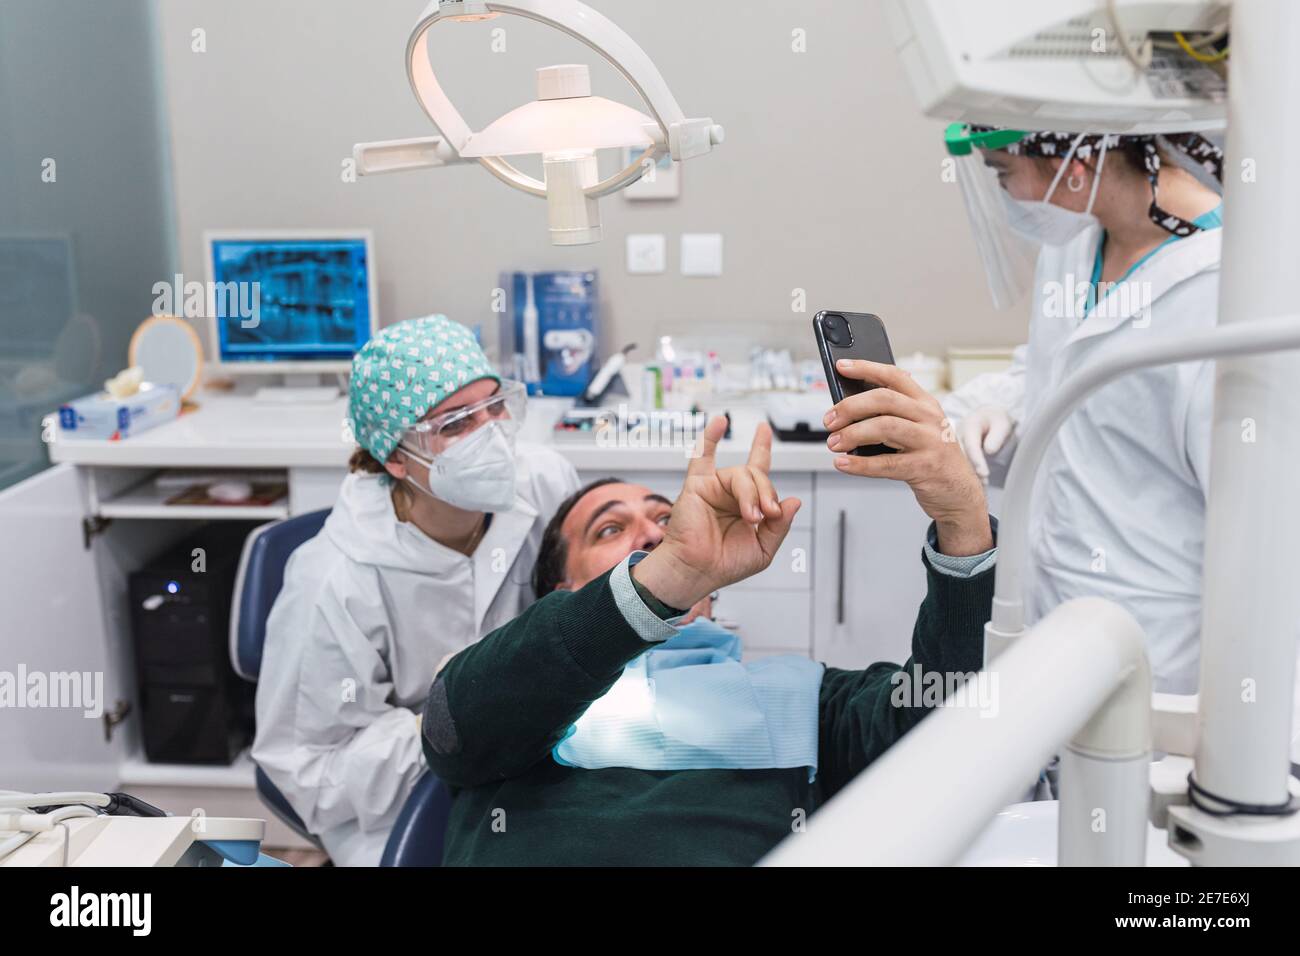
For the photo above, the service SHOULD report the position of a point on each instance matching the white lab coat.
(1119, 506)
(369, 608)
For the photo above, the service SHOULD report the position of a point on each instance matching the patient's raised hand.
(726, 524)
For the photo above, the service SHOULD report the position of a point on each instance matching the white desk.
(312, 444)
(235, 431)
(225, 431)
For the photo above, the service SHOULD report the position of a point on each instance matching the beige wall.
(829, 180)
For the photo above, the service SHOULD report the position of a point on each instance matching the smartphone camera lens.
(836, 329)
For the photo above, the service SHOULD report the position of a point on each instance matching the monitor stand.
(303, 389)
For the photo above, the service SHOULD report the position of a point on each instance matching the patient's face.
(608, 524)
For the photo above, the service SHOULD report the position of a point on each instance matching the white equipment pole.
(1083, 661)
(1251, 604)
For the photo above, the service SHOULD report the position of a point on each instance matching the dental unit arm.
(1080, 677)
(571, 187)
(79, 828)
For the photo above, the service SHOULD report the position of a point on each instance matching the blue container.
(548, 337)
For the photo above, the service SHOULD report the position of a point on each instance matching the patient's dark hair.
(553, 555)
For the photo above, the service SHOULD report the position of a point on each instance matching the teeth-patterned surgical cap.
(404, 371)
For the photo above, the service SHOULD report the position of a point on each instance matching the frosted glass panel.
(85, 221)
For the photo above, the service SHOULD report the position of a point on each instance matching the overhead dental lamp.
(565, 125)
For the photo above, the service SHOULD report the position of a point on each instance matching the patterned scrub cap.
(1051, 144)
(404, 371)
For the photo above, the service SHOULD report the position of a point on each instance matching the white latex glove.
(984, 432)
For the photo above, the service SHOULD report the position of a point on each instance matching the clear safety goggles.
(1008, 258)
(506, 407)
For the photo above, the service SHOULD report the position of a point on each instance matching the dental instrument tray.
(797, 416)
(629, 428)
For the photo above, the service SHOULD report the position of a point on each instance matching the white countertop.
(235, 431)
(225, 431)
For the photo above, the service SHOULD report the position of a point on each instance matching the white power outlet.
(647, 253)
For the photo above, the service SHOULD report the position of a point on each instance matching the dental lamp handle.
(401, 155)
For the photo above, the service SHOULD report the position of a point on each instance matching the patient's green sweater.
(499, 706)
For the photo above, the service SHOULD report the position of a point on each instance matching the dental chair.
(257, 584)
(417, 836)
(421, 827)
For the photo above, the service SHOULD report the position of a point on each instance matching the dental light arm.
(1080, 673)
(571, 187)
(1223, 341)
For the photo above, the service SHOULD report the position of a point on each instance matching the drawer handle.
(839, 596)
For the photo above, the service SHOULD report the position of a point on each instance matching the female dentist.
(1130, 246)
(429, 547)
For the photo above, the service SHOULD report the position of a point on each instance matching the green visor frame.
(961, 141)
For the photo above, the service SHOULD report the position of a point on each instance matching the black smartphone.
(851, 335)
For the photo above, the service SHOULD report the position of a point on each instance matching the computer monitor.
(290, 302)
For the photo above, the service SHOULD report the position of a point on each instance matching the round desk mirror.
(169, 352)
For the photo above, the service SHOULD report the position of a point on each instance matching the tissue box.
(105, 417)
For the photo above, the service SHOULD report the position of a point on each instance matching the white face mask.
(477, 473)
(1045, 222)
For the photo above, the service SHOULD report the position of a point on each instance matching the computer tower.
(194, 707)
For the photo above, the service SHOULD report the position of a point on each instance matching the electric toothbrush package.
(547, 335)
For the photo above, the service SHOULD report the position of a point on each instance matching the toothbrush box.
(564, 341)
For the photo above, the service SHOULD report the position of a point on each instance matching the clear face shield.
(1008, 257)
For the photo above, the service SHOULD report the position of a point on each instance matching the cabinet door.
(868, 580)
(53, 634)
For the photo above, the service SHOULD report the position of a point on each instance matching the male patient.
(592, 730)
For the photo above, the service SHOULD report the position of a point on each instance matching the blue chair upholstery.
(257, 585)
(417, 836)
(421, 828)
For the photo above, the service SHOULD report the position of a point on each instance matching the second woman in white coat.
(1130, 247)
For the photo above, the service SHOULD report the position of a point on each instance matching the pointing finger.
(702, 461)
(760, 449)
